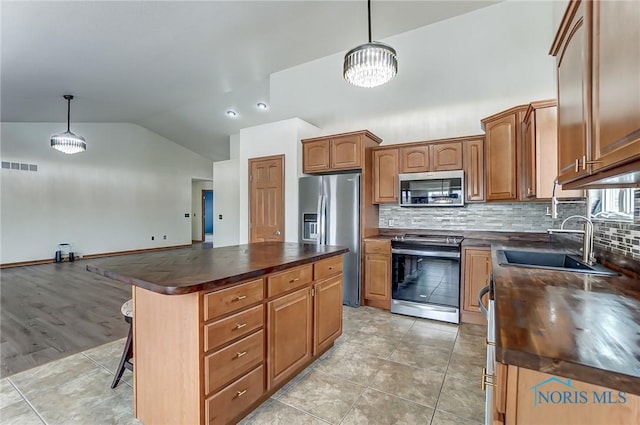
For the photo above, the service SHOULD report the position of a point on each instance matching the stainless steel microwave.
(435, 189)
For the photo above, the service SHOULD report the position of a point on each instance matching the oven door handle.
(481, 294)
(439, 254)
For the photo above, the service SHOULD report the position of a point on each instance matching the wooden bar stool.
(126, 362)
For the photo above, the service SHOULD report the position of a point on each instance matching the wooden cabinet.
(337, 152)
(527, 397)
(377, 287)
(446, 156)
(476, 271)
(415, 159)
(598, 94)
(385, 176)
(501, 154)
(289, 335)
(540, 153)
(474, 169)
(327, 310)
(230, 349)
(315, 156)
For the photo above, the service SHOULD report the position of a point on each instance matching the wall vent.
(20, 166)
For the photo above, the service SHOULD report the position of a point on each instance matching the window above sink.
(611, 204)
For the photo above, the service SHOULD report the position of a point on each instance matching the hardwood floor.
(54, 310)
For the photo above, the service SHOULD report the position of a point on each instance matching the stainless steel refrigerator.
(330, 215)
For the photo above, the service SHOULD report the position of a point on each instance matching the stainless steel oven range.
(425, 276)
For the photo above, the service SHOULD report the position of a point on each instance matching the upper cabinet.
(598, 63)
(446, 156)
(474, 169)
(415, 159)
(337, 153)
(501, 154)
(540, 152)
(385, 175)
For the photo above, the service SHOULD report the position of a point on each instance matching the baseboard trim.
(90, 256)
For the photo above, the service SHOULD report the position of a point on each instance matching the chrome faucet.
(587, 237)
(553, 212)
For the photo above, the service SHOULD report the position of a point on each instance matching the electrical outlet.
(391, 222)
(164, 236)
(153, 238)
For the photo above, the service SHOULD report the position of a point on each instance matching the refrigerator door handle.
(320, 230)
(323, 207)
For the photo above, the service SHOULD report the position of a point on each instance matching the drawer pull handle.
(240, 298)
(240, 354)
(484, 382)
(486, 342)
(294, 280)
(241, 393)
(240, 325)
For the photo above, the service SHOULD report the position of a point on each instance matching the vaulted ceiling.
(176, 67)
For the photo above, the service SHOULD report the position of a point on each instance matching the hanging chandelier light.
(68, 142)
(371, 64)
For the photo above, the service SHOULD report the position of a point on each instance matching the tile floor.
(385, 369)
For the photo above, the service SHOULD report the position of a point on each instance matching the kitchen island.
(217, 331)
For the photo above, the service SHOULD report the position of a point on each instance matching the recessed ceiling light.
(232, 113)
(261, 105)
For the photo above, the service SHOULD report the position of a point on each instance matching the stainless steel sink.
(551, 261)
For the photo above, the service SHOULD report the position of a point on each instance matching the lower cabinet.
(289, 334)
(327, 311)
(528, 397)
(476, 272)
(377, 284)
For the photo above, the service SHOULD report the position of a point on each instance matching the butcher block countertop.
(575, 325)
(188, 270)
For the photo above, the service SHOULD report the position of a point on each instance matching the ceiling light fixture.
(371, 64)
(232, 113)
(261, 105)
(68, 142)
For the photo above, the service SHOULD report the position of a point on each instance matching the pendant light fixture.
(371, 64)
(68, 142)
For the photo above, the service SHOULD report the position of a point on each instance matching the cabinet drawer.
(290, 279)
(228, 403)
(327, 267)
(222, 302)
(227, 364)
(377, 247)
(240, 324)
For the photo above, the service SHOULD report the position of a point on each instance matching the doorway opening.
(207, 216)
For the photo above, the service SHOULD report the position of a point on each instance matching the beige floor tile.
(354, 366)
(43, 378)
(417, 385)
(272, 412)
(324, 396)
(470, 345)
(8, 394)
(444, 418)
(107, 355)
(422, 356)
(434, 324)
(375, 345)
(469, 329)
(465, 366)
(88, 399)
(377, 408)
(430, 336)
(462, 397)
(19, 413)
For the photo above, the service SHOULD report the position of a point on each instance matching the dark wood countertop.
(187, 270)
(575, 325)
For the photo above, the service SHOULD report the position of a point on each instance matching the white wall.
(197, 186)
(130, 184)
(227, 203)
(467, 67)
(282, 137)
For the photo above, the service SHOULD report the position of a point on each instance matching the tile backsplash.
(508, 217)
(620, 237)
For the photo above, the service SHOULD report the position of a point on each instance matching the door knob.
(277, 233)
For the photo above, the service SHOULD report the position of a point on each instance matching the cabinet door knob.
(240, 325)
(277, 233)
(529, 191)
(294, 280)
(484, 382)
(577, 165)
(240, 354)
(240, 298)
(241, 393)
